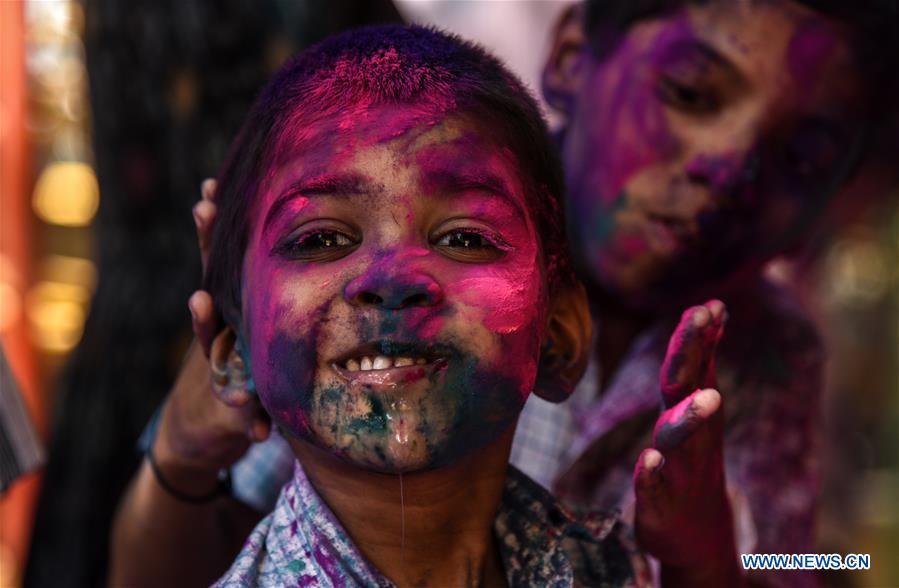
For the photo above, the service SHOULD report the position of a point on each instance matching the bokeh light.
(56, 312)
(859, 271)
(67, 194)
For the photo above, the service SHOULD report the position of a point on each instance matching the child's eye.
(470, 245)
(320, 244)
(687, 97)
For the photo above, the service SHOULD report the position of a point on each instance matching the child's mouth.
(669, 234)
(380, 362)
(388, 363)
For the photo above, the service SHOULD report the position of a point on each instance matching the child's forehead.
(373, 141)
(780, 49)
(314, 126)
(393, 150)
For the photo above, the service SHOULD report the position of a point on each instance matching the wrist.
(177, 462)
(188, 483)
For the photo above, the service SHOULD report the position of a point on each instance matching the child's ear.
(566, 345)
(231, 379)
(562, 73)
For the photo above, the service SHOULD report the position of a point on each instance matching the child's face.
(705, 143)
(393, 289)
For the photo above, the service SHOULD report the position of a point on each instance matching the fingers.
(648, 475)
(203, 321)
(260, 424)
(207, 189)
(204, 213)
(690, 361)
(204, 217)
(679, 423)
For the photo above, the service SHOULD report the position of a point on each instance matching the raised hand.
(683, 516)
(212, 414)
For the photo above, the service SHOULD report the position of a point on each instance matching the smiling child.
(389, 261)
(702, 138)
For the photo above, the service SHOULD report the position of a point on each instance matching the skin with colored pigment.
(706, 142)
(397, 233)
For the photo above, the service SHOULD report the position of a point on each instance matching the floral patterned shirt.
(301, 543)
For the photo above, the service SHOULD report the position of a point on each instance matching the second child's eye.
(319, 244)
(687, 97)
(469, 245)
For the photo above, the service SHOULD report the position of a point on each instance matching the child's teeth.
(382, 362)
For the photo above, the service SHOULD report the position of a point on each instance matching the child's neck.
(439, 534)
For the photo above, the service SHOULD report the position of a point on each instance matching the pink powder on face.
(631, 245)
(641, 134)
(810, 50)
(309, 312)
(513, 307)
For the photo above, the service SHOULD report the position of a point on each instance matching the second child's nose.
(726, 176)
(393, 290)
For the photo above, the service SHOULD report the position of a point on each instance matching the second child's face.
(706, 142)
(393, 299)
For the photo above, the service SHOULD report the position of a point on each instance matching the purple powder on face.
(808, 51)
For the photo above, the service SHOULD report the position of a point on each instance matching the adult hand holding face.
(208, 422)
(159, 538)
(683, 516)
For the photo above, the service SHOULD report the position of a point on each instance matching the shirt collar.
(301, 543)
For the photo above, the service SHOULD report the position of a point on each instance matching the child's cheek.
(632, 119)
(286, 368)
(283, 334)
(812, 47)
(505, 311)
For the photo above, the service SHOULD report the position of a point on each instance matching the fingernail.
(198, 220)
(190, 307)
(700, 317)
(652, 460)
(207, 187)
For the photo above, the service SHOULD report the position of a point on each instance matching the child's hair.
(874, 25)
(384, 65)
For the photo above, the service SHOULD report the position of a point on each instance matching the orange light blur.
(17, 506)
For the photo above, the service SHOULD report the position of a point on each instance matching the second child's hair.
(419, 66)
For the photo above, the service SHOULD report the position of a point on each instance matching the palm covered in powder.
(683, 515)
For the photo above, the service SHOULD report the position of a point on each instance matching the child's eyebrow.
(444, 181)
(318, 185)
(703, 54)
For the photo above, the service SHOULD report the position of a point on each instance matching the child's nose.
(725, 176)
(393, 289)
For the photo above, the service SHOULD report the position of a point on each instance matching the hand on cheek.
(682, 512)
(210, 417)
